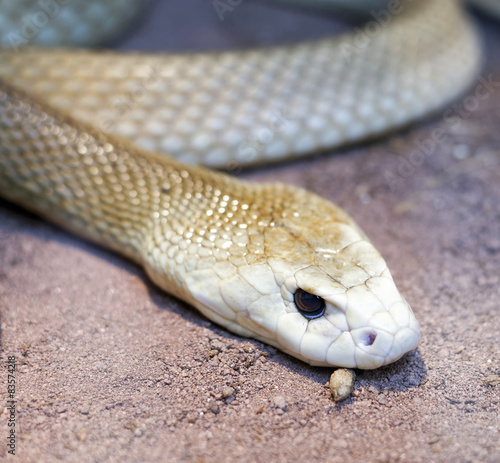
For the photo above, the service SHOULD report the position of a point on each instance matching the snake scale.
(269, 261)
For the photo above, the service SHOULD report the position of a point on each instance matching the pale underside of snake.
(269, 261)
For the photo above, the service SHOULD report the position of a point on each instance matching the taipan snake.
(269, 261)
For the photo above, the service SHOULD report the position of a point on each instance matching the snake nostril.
(370, 338)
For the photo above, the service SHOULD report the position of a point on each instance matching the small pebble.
(434, 439)
(131, 424)
(280, 403)
(459, 350)
(82, 434)
(372, 389)
(342, 384)
(227, 392)
(214, 408)
(492, 380)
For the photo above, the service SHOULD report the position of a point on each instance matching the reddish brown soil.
(112, 369)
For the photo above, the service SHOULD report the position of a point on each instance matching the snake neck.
(102, 188)
(93, 184)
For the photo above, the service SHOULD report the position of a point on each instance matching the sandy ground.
(109, 368)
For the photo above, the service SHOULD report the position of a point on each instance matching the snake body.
(237, 251)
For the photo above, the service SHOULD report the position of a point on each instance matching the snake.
(121, 149)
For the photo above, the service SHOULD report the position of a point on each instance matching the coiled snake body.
(269, 261)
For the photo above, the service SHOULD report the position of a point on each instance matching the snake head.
(363, 321)
(311, 247)
(296, 272)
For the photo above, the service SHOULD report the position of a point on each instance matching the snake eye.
(309, 305)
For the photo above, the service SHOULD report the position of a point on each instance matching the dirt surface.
(109, 368)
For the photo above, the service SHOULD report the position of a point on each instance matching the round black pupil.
(308, 304)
